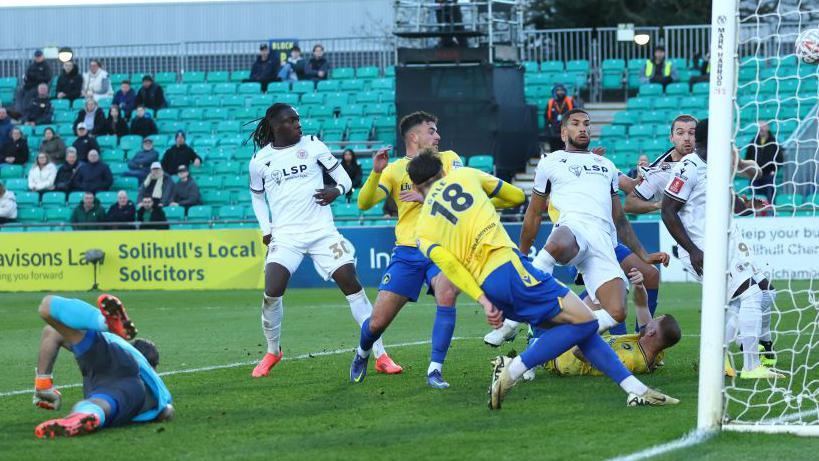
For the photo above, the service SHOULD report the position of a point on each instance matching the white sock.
(750, 325)
(361, 352)
(731, 322)
(517, 368)
(434, 366)
(544, 261)
(633, 385)
(272, 313)
(768, 299)
(362, 310)
(604, 320)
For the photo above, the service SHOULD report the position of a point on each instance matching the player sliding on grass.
(461, 232)
(297, 221)
(120, 384)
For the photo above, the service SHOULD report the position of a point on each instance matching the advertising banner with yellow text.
(134, 260)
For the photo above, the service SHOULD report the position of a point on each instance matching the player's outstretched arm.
(625, 233)
(671, 218)
(638, 205)
(531, 220)
(626, 183)
(374, 190)
(640, 298)
(501, 194)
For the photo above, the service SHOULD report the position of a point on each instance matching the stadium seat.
(654, 116)
(641, 130)
(368, 72)
(303, 86)
(58, 214)
(209, 181)
(201, 89)
(227, 168)
(172, 90)
(613, 131)
(383, 84)
(234, 101)
(174, 213)
(164, 78)
(17, 184)
(700, 89)
(199, 128)
(224, 88)
(191, 76)
(640, 103)
(312, 98)
(231, 212)
(127, 183)
(117, 168)
(352, 85)
(328, 86)
(482, 162)
(235, 182)
(389, 71)
(612, 70)
(200, 212)
(250, 88)
(31, 215)
(230, 140)
(11, 171)
(238, 75)
(277, 87)
(677, 89)
(131, 142)
(218, 76)
(650, 89)
(190, 113)
(342, 73)
(667, 103)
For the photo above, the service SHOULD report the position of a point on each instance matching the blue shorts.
(621, 251)
(110, 373)
(407, 272)
(531, 304)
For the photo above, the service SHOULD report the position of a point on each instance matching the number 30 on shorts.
(339, 249)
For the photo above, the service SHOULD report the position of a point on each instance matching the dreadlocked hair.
(263, 134)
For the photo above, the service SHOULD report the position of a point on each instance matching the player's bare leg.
(347, 280)
(387, 306)
(276, 278)
(442, 330)
(612, 299)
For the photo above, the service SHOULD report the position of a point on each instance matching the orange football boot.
(384, 364)
(72, 425)
(115, 316)
(268, 362)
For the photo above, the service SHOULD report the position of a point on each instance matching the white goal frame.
(723, 84)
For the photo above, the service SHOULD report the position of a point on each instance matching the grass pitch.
(307, 409)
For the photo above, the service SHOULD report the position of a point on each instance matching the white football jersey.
(687, 185)
(289, 176)
(580, 186)
(655, 177)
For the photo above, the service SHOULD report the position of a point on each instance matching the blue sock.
(367, 339)
(87, 406)
(652, 305)
(603, 357)
(619, 329)
(583, 294)
(77, 314)
(556, 341)
(442, 331)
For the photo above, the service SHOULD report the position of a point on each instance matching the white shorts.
(740, 265)
(596, 259)
(329, 251)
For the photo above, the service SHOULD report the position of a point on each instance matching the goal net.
(772, 101)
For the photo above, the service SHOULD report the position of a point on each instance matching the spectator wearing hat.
(95, 82)
(265, 69)
(92, 116)
(123, 211)
(69, 83)
(53, 145)
(658, 70)
(142, 124)
(36, 73)
(89, 211)
(293, 67)
(38, 111)
(179, 154)
(84, 142)
(125, 98)
(157, 185)
(150, 212)
(16, 150)
(94, 175)
(42, 175)
(150, 95)
(558, 104)
(185, 191)
(67, 171)
(5, 128)
(115, 124)
(8, 205)
(317, 68)
(139, 165)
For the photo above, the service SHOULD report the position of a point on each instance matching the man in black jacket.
(84, 143)
(142, 125)
(266, 68)
(765, 151)
(37, 72)
(150, 95)
(69, 83)
(16, 150)
(179, 154)
(154, 213)
(123, 211)
(39, 110)
(186, 191)
(317, 67)
(93, 176)
(67, 171)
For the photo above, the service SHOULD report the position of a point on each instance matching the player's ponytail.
(263, 134)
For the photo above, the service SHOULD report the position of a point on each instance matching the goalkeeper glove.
(45, 395)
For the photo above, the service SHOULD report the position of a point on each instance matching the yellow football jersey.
(627, 348)
(394, 180)
(459, 216)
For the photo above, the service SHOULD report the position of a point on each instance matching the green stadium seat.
(614, 131)
(200, 212)
(531, 66)
(338, 125)
(337, 100)
(218, 113)
(238, 75)
(11, 171)
(231, 140)
(312, 98)
(368, 72)
(263, 100)
(691, 103)
(700, 89)
(224, 88)
(228, 127)
(360, 123)
(482, 162)
(75, 198)
(17, 184)
(351, 110)
(60, 104)
(106, 197)
(352, 85)
(218, 76)
(64, 130)
(552, 66)
(164, 78)
(30, 215)
(303, 86)
(190, 113)
(654, 116)
(383, 84)
(193, 77)
(612, 71)
(377, 109)
(116, 79)
(231, 212)
(127, 183)
(209, 181)
(131, 142)
(389, 71)
(333, 137)
(250, 88)
(358, 136)
(199, 127)
(578, 65)
(277, 87)
(641, 130)
(63, 116)
(367, 97)
(174, 213)
(624, 117)
(58, 214)
(216, 197)
(677, 89)
(227, 168)
(310, 126)
(107, 142)
(328, 86)
(640, 103)
(167, 114)
(233, 101)
(171, 126)
(117, 168)
(666, 103)
(173, 89)
(201, 89)
(27, 199)
(651, 89)
(343, 73)
(346, 210)
(235, 182)
(8, 83)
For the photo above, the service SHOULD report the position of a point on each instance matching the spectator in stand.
(16, 151)
(265, 69)
(92, 116)
(93, 176)
(115, 123)
(125, 98)
(559, 104)
(658, 70)
(5, 128)
(123, 211)
(642, 162)
(703, 64)
(179, 154)
(39, 110)
(88, 212)
(53, 145)
(69, 83)
(143, 125)
(84, 143)
(95, 82)
(139, 165)
(67, 171)
(150, 95)
(37, 72)
(317, 67)
(8, 205)
(350, 164)
(186, 191)
(148, 206)
(765, 151)
(157, 185)
(293, 68)
(42, 175)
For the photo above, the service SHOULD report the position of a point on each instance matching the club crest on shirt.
(301, 154)
(576, 170)
(277, 177)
